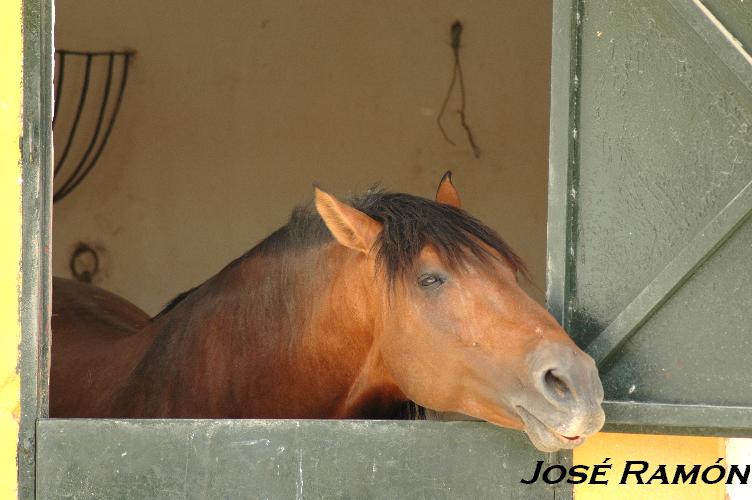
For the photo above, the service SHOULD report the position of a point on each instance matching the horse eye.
(430, 281)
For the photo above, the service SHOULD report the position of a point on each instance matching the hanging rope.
(457, 76)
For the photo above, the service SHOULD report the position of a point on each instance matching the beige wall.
(234, 108)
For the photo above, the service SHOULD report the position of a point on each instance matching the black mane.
(409, 224)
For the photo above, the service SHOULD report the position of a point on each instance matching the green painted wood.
(736, 16)
(562, 153)
(664, 128)
(655, 274)
(718, 38)
(678, 419)
(673, 276)
(696, 348)
(36, 150)
(562, 164)
(284, 459)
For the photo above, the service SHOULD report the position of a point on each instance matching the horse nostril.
(556, 384)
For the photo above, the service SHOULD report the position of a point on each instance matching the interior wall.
(233, 109)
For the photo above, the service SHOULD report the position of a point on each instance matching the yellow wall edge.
(669, 450)
(11, 93)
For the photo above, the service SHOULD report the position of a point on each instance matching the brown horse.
(348, 311)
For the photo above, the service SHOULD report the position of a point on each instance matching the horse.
(351, 310)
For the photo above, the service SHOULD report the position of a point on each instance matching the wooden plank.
(717, 36)
(284, 459)
(661, 418)
(36, 229)
(672, 277)
(562, 161)
(562, 155)
(736, 17)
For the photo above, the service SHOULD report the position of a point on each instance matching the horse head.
(452, 326)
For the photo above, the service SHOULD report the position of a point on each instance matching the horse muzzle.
(563, 406)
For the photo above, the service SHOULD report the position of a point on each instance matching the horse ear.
(447, 193)
(349, 226)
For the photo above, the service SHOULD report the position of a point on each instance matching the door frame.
(36, 213)
(35, 310)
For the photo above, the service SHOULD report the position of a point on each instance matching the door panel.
(650, 261)
(285, 459)
(696, 347)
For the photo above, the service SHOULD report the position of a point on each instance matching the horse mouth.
(544, 437)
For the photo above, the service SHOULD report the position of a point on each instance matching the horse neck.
(272, 336)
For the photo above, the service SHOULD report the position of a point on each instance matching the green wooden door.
(650, 238)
